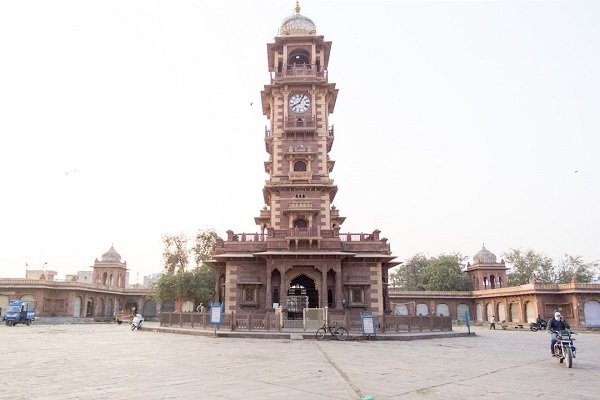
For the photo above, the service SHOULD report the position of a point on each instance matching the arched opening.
(442, 310)
(530, 312)
(301, 223)
(489, 310)
(514, 312)
(302, 294)
(462, 311)
(591, 312)
(149, 309)
(100, 308)
(479, 312)
(331, 300)
(77, 307)
(110, 280)
(485, 282)
(299, 57)
(492, 282)
(422, 309)
(110, 310)
(104, 278)
(275, 285)
(500, 282)
(501, 312)
(89, 309)
(299, 166)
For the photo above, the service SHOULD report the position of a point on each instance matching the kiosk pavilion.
(300, 259)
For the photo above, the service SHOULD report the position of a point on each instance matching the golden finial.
(297, 9)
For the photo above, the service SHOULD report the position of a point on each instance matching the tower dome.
(297, 25)
(484, 256)
(111, 255)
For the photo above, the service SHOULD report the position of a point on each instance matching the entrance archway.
(302, 294)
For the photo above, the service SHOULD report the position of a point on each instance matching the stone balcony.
(293, 238)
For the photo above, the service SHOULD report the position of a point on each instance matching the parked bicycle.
(339, 332)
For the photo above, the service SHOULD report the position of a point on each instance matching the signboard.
(216, 313)
(367, 324)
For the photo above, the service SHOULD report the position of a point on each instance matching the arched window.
(299, 57)
(299, 166)
(300, 223)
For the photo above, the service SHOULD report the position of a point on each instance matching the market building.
(76, 299)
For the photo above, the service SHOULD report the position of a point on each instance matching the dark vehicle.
(564, 349)
(538, 326)
(19, 312)
(339, 332)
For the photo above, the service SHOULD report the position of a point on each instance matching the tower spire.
(297, 8)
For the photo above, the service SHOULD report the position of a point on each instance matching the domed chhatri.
(111, 255)
(484, 256)
(297, 25)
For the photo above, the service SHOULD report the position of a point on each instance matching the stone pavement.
(107, 361)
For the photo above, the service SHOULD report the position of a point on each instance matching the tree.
(570, 267)
(409, 275)
(528, 266)
(445, 273)
(203, 248)
(176, 255)
(179, 284)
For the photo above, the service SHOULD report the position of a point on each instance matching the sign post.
(216, 315)
(367, 324)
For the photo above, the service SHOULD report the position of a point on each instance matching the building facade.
(515, 305)
(74, 299)
(299, 259)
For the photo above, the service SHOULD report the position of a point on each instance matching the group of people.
(555, 325)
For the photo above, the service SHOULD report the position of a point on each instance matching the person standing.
(493, 322)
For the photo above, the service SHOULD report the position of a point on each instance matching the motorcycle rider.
(556, 325)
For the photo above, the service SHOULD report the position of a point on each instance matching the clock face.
(299, 102)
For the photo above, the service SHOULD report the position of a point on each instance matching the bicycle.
(339, 332)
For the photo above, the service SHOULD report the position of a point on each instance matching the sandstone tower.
(299, 259)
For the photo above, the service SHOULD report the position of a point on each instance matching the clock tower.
(297, 103)
(299, 259)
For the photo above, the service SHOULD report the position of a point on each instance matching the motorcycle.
(535, 326)
(136, 323)
(564, 349)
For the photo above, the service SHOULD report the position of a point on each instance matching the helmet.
(557, 315)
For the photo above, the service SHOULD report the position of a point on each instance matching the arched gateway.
(299, 258)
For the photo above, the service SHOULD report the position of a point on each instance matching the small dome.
(111, 255)
(297, 25)
(484, 256)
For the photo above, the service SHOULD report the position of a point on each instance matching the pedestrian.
(493, 322)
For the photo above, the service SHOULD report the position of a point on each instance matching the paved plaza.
(108, 361)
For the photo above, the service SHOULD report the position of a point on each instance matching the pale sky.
(456, 124)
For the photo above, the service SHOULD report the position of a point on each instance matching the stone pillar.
(269, 295)
(283, 289)
(323, 286)
(338, 287)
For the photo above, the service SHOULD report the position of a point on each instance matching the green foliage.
(176, 255)
(409, 275)
(528, 267)
(179, 284)
(570, 267)
(445, 273)
(205, 241)
(436, 273)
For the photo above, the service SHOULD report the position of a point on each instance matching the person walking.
(493, 322)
